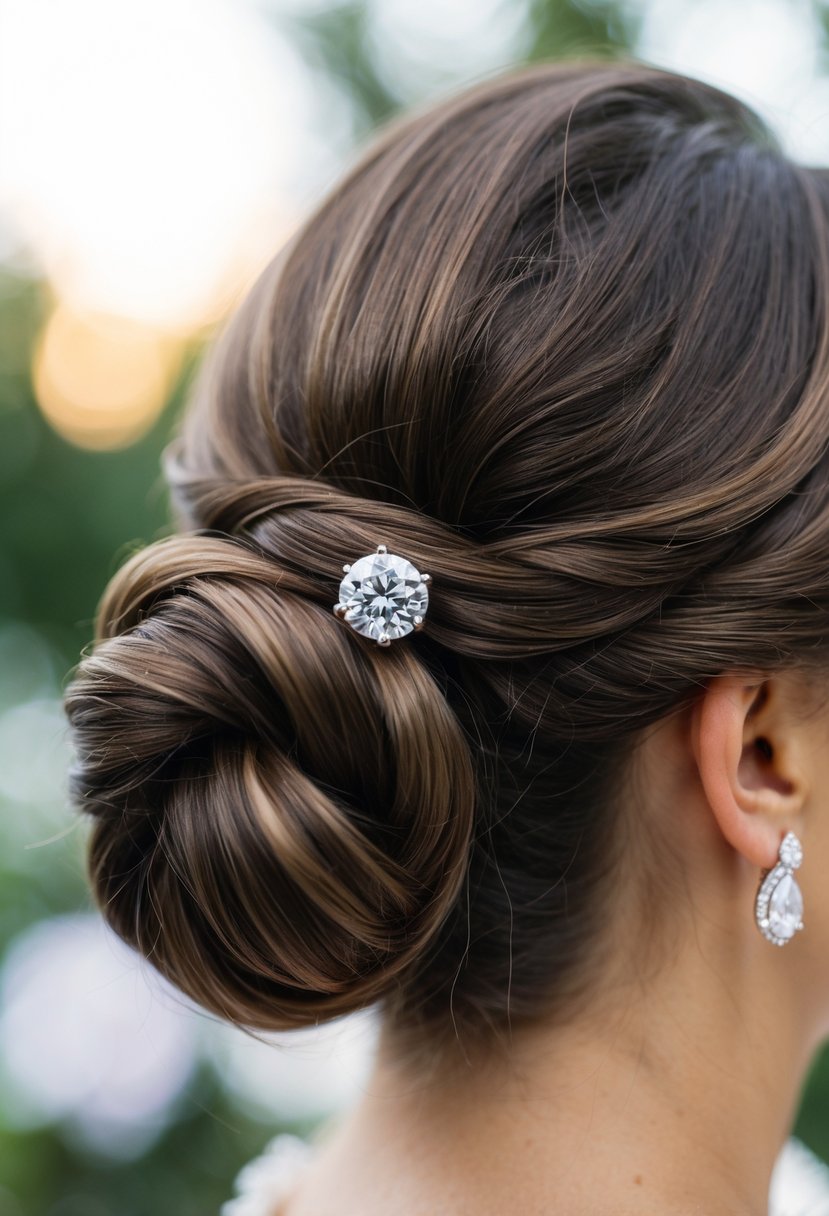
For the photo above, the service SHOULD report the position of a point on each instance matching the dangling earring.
(778, 908)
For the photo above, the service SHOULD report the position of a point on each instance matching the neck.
(677, 1098)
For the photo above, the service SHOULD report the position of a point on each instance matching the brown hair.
(562, 340)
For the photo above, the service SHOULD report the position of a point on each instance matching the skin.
(677, 1088)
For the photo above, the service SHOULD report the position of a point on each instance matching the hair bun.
(282, 811)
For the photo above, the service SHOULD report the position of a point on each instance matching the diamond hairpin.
(383, 596)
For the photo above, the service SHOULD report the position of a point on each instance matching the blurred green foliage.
(68, 514)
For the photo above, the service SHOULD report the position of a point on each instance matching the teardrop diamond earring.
(778, 908)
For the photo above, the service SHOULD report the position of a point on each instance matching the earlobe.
(747, 751)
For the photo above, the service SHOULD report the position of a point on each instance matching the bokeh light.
(149, 173)
(302, 1074)
(770, 53)
(102, 381)
(417, 43)
(116, 1058)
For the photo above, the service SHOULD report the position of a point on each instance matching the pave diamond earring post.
(778, 908)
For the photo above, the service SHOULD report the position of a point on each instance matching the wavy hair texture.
(562, 339)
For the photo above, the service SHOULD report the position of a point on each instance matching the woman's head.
(562, 340)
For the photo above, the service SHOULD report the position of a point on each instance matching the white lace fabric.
(263, 1183)
(799, 1183)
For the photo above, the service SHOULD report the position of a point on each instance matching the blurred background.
(154, 156)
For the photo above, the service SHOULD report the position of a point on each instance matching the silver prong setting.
(383, 596)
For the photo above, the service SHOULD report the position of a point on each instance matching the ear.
(752, 756)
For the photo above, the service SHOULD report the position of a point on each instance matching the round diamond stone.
(383, 596)
(785, 907)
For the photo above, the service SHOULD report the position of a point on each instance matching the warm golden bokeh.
(101, 380)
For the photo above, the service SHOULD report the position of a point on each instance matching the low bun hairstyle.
(295, 810)
(562, 340)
